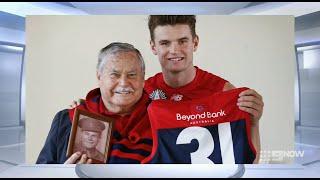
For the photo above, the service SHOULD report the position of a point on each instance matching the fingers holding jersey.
(254, 114)
(251, 111)
(250, 92)
(251, 98)
(251, 102)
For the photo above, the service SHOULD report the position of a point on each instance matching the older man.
(120, 73)
(174, 40)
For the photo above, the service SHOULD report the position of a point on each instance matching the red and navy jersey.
(204, 84)
(211, 129)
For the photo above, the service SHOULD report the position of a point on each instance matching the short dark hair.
(162, 20)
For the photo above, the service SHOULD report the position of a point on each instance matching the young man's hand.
(76, 103)
(251, 102)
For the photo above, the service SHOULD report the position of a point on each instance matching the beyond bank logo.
(204, 115)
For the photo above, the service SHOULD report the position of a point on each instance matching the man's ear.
(153, 47)
(98, 75)
(195, 43)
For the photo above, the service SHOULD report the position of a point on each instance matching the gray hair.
(114, 48)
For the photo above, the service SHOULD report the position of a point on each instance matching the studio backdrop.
(252, 51)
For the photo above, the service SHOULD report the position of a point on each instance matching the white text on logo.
(203, 115)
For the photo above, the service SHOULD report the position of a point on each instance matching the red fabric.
(127, 155)
(221, 107)
(132, 128)
(214, 104)
(204, 84)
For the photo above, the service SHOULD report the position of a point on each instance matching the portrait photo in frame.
(90, 135)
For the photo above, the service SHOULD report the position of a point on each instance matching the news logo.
(278, 156)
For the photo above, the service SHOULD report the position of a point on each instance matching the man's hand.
(74, 158)
(251, 102)
(76, 103)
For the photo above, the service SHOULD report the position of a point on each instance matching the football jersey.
(211, 129)
(204, 84)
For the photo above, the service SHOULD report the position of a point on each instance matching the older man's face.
(121, 81)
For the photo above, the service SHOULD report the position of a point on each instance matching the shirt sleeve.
(218, 83)
(48, 154)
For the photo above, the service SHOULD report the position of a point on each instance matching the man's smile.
(176, 59)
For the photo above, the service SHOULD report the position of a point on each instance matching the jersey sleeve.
(218, 83)
(49, 152)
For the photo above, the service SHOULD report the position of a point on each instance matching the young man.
(173, 40)
(120, 73)
(90, 136)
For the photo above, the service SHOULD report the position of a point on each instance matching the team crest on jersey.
(157, 94)
(201, 108)
(176, 97)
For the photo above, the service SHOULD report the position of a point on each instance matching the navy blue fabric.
(55, 148)
(242, 152)
(170, 152)
(123, 148)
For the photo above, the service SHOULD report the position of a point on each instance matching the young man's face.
(174, 46)
(90, 139)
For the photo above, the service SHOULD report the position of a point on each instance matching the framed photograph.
(90, 134)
